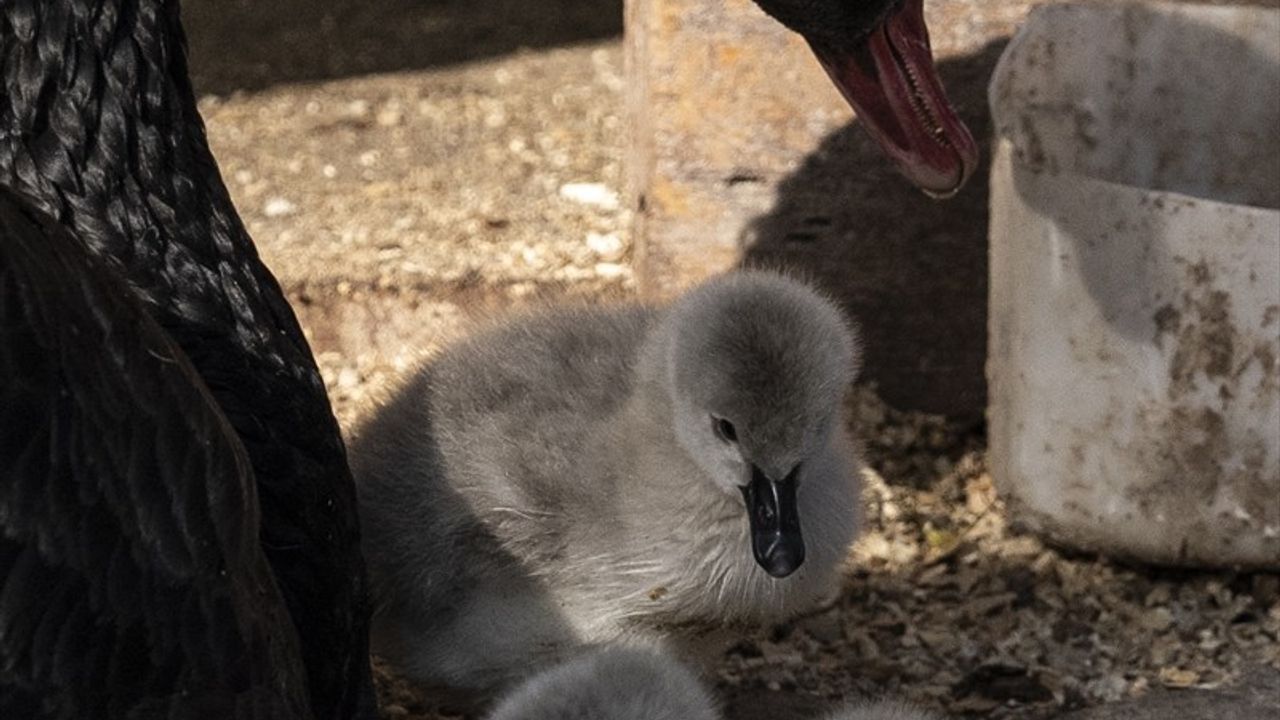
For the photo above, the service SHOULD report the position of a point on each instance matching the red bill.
(890, 80)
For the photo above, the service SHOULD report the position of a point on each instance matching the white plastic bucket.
(1134, 360)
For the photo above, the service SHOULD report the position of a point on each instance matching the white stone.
(278, 207)
(585, 193)
(606, 245)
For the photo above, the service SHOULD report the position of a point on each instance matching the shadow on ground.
(912, 270)
(250, 45)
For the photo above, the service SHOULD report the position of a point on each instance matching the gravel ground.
(447, 160)
(447, 180)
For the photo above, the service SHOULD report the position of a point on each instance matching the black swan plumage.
(134, 580)
(178, 524)
(99, 130)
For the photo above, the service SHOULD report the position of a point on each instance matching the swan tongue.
(890, 80)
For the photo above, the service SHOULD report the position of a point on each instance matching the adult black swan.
(155, 379)
(99, 131)
(134, 582)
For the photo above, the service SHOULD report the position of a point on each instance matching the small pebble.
(348, 378)
(596, 194)
(606, 245)
(278, 207)
(1157, 619)
(610, 270)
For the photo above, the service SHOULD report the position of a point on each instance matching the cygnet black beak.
(776, 541)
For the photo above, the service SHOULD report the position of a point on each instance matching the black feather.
(99, 130)
(830, 22)
(132, 581)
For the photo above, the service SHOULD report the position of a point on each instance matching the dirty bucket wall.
(1135, 271)
(746, 154)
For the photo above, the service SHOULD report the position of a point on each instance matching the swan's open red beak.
(890, 80)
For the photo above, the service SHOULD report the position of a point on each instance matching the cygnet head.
(757, 366)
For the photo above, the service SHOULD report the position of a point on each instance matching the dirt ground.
(409, 168)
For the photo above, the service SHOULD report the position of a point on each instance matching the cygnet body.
(584, 475)
(642, 683)
(612, 683)
(881, 710)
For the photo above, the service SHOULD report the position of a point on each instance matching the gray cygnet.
(589, 474)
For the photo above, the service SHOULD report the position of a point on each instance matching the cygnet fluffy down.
(880, 710)
(586, 474)
(637, 683)
(614, 683)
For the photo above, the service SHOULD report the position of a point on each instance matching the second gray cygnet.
(643, 683)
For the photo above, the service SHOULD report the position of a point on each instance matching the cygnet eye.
(724, 429)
